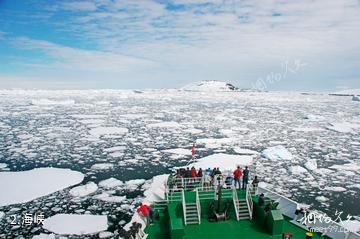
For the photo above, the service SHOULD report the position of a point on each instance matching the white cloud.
(79, 6)
(229, 40)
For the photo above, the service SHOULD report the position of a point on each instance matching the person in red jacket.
(237, 176)
(193, 172)
(146, 212)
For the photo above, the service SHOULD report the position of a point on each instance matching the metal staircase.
(191, 214)
(243, 206)
(243, 210)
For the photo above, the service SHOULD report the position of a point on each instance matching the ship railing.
(236, 205)
(184, 205)
(198, 205)
(249, 201)
(288, 207)
(208, 192)
(187, 183)
(173, 194)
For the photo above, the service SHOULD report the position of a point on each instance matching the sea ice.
(97, 132)
(25, 186)
(277, 153)
(45, 102)
(179, 151)
(311, 164)
(75, 224)
(297, 170)
(110, 183)
(84, 190)
(165, 125)
(106, 197)
(321, 199)
(344, 127)
(245, 151)
(102, 166)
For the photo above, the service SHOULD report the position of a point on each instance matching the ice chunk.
(106, 234)
(75, 224)
(102, 166)
(224, 161)
(134, 184)
(344, 127)
(110, 183)
(44, 236)
(297, 170)
(178, 151)
(245, 151)
(335, 189)
(35, 183)
(84, 190)
(44, 102)
(106, 197)
(277, 153)
(2, 214)
(311, 164)
(3, 165)
(321, 199)
(97, 132)
(169, 124)
(356, 98)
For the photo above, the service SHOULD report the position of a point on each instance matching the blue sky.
(277, 45)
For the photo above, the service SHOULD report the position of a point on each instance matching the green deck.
(230, 229)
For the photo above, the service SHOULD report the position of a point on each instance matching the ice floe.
(75, 224)
(44, 181)
(84, 190)
(165, 125)
(245, 151)
(297, 170)
(102, 166)
(179, 151)
(110, 183)
(106, 197)
(100, 131)
(277, 153)
(46, 102)
(351, 225)
(344, 127)
(321, 199)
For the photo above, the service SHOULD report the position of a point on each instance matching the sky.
(303, 45)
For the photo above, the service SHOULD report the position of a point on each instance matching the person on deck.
(245, 180)
(187, 173)
(255, 183)
(193, 172)
(146, 212)
(261, 201)
(200, 173)
(237, 176)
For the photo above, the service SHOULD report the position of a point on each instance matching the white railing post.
(198, 205)
(236, 200)
(249, 201)
(184, 205)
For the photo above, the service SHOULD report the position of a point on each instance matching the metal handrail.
(184, 205)
(198, 206)
(236, 200)
(249, 201)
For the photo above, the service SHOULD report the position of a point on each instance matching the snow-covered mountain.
(211, 85)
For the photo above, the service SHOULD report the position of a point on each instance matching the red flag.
(193, 151)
